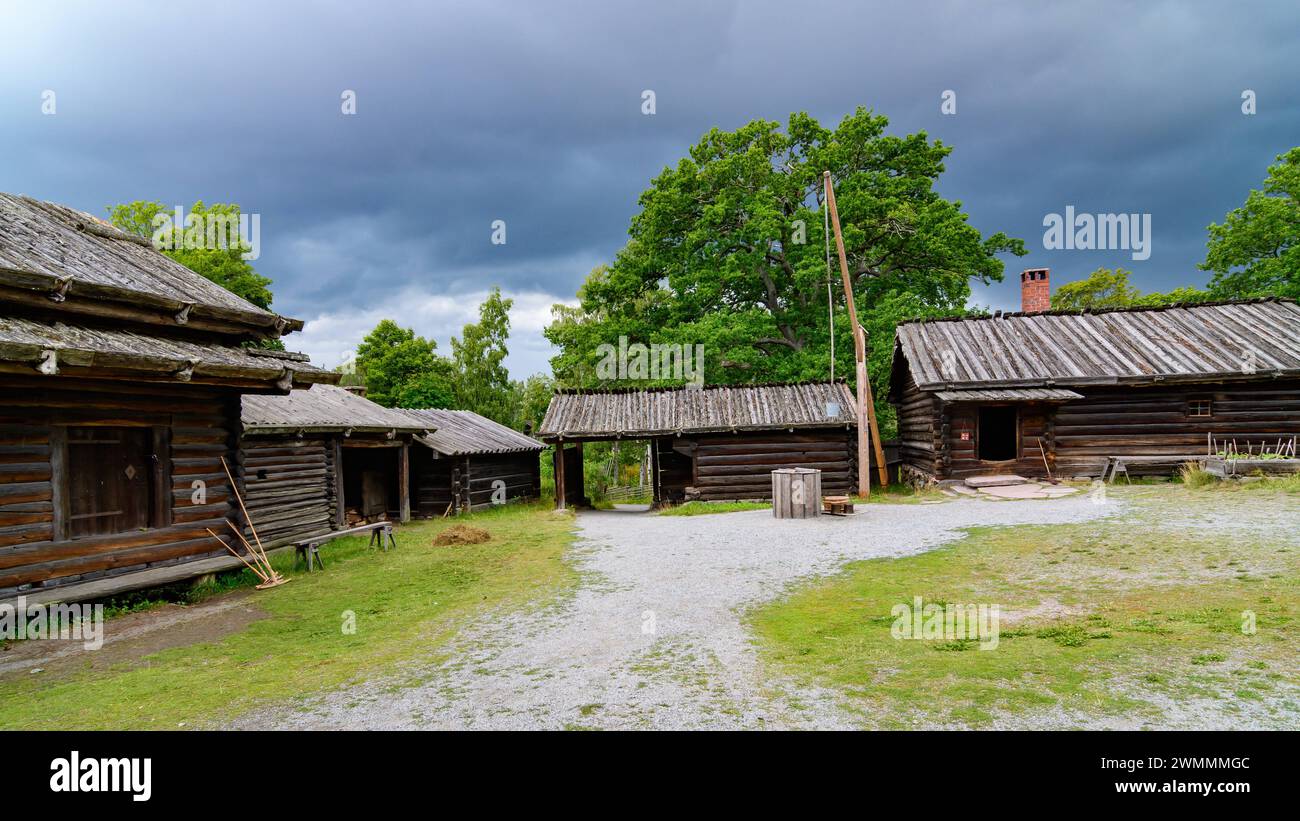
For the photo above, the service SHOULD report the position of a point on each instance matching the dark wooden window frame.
(160, 500)
(1196, 406)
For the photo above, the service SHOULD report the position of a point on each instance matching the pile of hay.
(461, 534)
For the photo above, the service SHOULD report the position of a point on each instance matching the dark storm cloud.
(468, 113)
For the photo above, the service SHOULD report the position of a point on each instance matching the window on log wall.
(1200, 407)
(110, 478)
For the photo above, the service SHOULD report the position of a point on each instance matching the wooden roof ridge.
(980, 315)
(57, 258)
(676, 388)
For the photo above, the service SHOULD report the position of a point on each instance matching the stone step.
(995, 481)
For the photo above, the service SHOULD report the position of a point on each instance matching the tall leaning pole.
(859, 347)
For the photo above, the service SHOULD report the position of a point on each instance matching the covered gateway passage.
(712, 443)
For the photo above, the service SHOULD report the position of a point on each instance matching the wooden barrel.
(796, 493)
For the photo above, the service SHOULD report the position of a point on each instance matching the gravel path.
(653, 637)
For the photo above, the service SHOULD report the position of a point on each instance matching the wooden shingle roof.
(61, 259)
(632, 414)
(1231, 340)
(58, 347)
(461, 432)
(324, 409)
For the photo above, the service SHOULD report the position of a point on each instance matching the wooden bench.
(308, 550)
(1119, 464)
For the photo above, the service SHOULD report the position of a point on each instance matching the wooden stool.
(837, 505)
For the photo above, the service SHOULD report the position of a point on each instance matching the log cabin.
(121, 373)
(326, 459)
(712, 443)
(470, 462)
(1073, 392)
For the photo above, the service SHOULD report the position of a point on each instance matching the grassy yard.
(407, 603)
(1127, 619)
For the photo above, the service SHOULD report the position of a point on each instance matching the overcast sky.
(530, 113)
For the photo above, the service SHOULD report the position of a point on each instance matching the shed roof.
(27, 341)
(324, 409)
(75, 262)
(1009, 395)
(462, 432)
(1243, 339)
(632, 414)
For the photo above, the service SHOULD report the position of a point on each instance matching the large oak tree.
(728, 251)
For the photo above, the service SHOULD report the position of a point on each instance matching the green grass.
(705, 508)
(1093, 616)
(407, 603)
(1195, 476)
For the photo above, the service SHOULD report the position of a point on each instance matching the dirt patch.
(462, 534)
(130, 638)
(1049, 609)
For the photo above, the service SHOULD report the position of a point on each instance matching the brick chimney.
(1035, 290)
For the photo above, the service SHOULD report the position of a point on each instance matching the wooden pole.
(404, 482)
(559, 476)
(859, 349)
(236, 555)
(238, 498)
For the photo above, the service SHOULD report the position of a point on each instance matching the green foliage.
(1103, 288)
(429, 389)
(482, 382)
(1256, 251)
(1106, 288)
(224, 266)
(728, 251)
(530, 399)
(402, 370)
(399, 365)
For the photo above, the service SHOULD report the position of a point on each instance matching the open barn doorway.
(998, 433)
(370, 484)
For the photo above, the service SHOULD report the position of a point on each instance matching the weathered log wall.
(290, 486)
(1079, 435)
(920, 439)
(438, 482)
(1154, 421)
(467, 482)
(521, 473)
(723, 467)
(194, 426)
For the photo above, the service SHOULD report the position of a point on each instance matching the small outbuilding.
(1078, 392)
(121, 373)
(469, 462)
(325, 459)
(710, 443)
